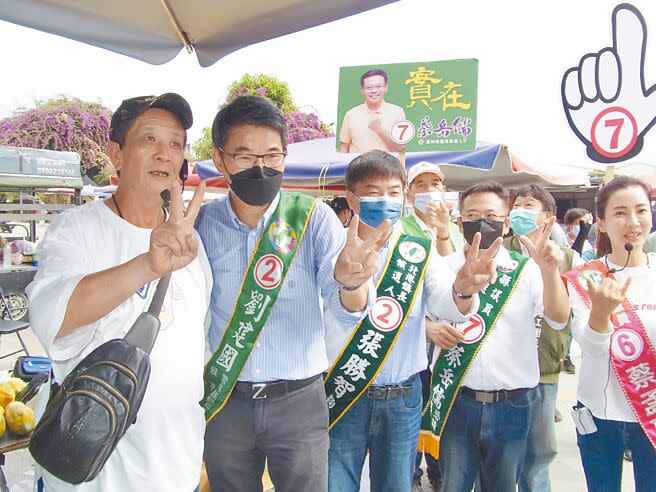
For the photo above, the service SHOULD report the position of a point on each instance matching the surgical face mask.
(490, 231)
(524, 220)
(375, 209)
(256, 185)
(575, 230)
(423, 199)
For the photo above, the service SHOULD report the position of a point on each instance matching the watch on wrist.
(458, 295)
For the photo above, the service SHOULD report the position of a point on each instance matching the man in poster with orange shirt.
(368, 126)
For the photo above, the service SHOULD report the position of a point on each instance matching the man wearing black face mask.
(491, 360)
(264, 396)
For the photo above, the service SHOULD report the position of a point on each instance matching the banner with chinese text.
(414, 107)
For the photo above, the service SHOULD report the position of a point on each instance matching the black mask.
(490, 230)
(256, 185)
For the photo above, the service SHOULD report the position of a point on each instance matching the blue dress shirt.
(291, 345)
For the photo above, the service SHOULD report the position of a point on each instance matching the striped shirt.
(433, 298)
(291, 345)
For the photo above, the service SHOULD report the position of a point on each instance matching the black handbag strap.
(160, 293)
(143, 332)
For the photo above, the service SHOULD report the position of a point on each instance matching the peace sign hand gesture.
(479, 269)
(544, 252)
(358, 260)
(172, 243)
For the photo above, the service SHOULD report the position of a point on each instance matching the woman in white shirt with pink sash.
(614, 304)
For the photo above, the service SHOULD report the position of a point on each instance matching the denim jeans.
(389, 430)
(541, 443)
(602, 452)
(486, 440)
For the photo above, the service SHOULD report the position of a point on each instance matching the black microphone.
(628, 247)
(166, 197)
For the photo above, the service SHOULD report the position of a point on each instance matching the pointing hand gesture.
(172, 243)
(358, 260)
(544, 252)
(607, 103)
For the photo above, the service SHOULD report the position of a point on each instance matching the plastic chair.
(8, 326)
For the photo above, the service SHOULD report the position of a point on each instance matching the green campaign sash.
(452, 365)
(373, 338)
(265, 274)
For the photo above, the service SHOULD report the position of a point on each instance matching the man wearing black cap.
(99, 266)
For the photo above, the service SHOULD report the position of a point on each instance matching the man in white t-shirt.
(99, 267)
(368, 126)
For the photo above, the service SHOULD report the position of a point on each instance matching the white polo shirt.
(509, 357)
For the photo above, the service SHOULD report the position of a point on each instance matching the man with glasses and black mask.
(481, 391)
(264, 396)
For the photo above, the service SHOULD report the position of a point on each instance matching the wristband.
(346, 287)
(459, 295)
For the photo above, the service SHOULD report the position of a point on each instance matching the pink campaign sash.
(631, 351)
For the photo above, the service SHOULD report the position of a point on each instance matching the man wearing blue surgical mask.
(373, 389)
(532, 206)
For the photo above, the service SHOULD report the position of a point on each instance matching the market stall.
(24, 173)
(316, 167)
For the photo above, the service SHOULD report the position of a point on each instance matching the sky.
(523, 49)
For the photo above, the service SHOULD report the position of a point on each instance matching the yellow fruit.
(20, 418)
(3, 425)
(17, 383)
(7, 394)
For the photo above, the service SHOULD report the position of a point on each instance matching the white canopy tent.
(155, 31)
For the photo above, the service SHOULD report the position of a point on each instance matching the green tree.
(202, 148)
(301, 125)
(263, 85)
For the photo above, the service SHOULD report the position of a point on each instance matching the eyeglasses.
(377, 87)
(273, 160)
(472, 215)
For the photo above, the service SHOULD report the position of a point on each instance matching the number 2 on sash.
(384, 318)
(272, 268)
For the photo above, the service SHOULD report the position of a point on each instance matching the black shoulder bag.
(98, 401)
